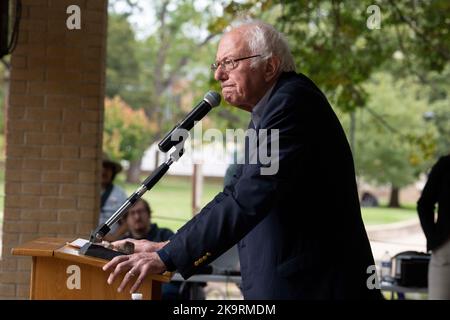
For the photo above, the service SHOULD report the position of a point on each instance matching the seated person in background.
(138, 223)
(112, 197)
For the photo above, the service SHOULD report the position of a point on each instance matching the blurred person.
(292, 244)
(437, 230)
(139, 225)
(112, 197)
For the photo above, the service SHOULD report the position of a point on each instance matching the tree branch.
(164, 46)
(407, 57)
(417, 31)
(184, 60)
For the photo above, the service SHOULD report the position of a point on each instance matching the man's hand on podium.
(140, 245)
(137, 266)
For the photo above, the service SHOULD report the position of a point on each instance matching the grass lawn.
(382, 215)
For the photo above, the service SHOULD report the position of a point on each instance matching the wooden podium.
(59, 272)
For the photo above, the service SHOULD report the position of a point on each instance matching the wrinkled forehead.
(232, 44)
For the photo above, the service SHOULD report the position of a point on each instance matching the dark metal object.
(95, 250)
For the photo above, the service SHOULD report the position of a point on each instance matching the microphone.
(210, 100)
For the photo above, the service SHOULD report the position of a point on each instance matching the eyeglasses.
(229, 64)
(137, 211)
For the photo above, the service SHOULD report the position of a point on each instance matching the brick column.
(53, 131)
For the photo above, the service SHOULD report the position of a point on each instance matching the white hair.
(262, 38)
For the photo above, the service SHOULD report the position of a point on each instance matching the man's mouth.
(227, 86)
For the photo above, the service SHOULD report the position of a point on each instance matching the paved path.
(415, 242)
(402, 237)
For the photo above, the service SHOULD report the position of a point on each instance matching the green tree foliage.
(124, 77)
(421, 28)
(439, 109)
(171, 60)
(174, 58)
(169, 67)
(394, 144)
(126, 130)
(441, 119)
(332, 43)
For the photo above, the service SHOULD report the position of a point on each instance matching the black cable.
(15, 33)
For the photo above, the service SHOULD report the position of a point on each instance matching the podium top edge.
(58, 248)
(40, 247)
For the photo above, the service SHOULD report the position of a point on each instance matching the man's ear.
(272, 68)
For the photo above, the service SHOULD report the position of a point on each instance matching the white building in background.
(214, 158)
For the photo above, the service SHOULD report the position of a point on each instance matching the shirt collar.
(259, 108)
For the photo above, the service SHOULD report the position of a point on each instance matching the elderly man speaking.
(299, 230)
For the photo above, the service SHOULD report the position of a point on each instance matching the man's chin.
(227, 95)
(235, 102)
(239, 105)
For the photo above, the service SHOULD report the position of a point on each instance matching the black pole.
(102, 230)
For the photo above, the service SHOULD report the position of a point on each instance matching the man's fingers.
(133, 273)
(140, 278)
(138, 282)
(112, 264)
(120, 268)
(139, 264)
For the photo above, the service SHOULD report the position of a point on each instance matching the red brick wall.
(53, 131)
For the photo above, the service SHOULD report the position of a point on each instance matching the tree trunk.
(394, 200)
(134, 171)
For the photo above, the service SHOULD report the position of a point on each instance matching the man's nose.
(220, 75)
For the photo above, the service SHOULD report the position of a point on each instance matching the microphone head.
(213, 98)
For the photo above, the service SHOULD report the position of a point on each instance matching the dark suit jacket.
(436, 191)
(300, 231)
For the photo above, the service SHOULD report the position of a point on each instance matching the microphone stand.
(93, 247)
